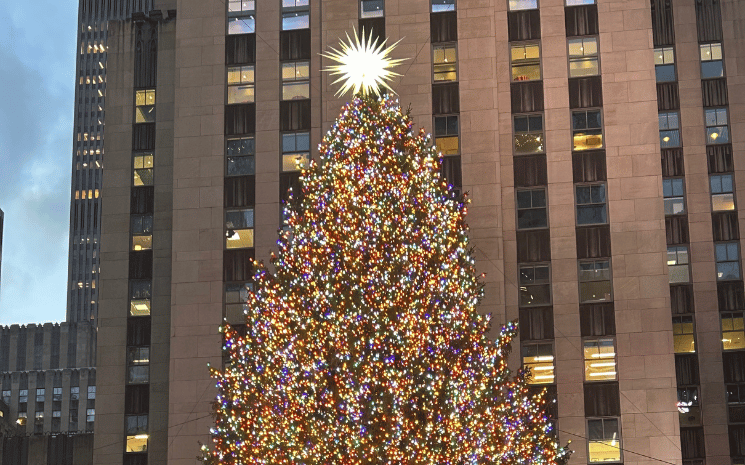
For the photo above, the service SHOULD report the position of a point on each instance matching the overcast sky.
(37, 68)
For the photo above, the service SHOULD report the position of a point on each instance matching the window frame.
(717, 262)
(432, 6)
(525, 44)
(361, 11)
(693, 406)
(141, 233)
(447, 135)
(444, 45)
(574, 130)
(252, 229)
(293, 81)
(732, 316)
(662, 50)
(297, 10)
(232, 157)
(134, 310)
(672, 181)
(570, 3)
(720, 60)
(677, 249)
(578, 58)
(592, 204)
(666, 115)
(589, 440)
(609, 280)
(680, 321)
(143, 154)
(585, 360)
(713, 140)
(147, 92)
(547, 284)
(523, 355)
(537, 5)
(532, 207)
(300, 153)
(133, 377)
(248, 84)
(527, 133)
(723, 192)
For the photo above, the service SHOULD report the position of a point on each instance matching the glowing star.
(364, 65)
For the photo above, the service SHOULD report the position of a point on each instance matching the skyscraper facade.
(598, 140)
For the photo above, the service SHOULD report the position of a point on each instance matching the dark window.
(717, 126)
(593, 242)
(240, 191)
(524, 25)
(725, 226)
(595, 283)
(138, 331)
(531, 209)
(240, 49)
(294, 45)
(727, 256)
(294, 115)
(673, 191)
(526, 97)
(591, 204)
(372, 28)
(443, 26)
(240, 119)
(238, 265)
(240, 155)
(586, 92)
(588, 166)
(530, 171)
(686, 369)
(602, 400)
(597, 320)
(445, 99)
(533, 245)
(719, 158)
(581, 20)
(669, 130)
(535, 285)
(536, 324)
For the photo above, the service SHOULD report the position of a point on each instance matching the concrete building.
(599, 142)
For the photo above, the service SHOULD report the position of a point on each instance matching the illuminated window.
(683, 334)
(595, 281)
(240, 156)
(241, 84)
(583, 57)
(717, 127)
(295, 80)
(733, 331)
(664, 64)
(600, 360)
(137, 433)
(145, 106)
(446, 134)
(241, 16)
(587, 130)
(142, 232)
(604, 440)
(727, 256)
(677, 264)
(236, 296)
(529, 134)
(444, 62)
(722, 192)
(295, 151)
(531, 209)
(138, 365)
(669, 130)
(372, 8)
(539, 359)
(591, 204)
(295, 14)
(673, 190)
(535, 285)
(516, 5)
(239, 228)
(689, 409)
(712, 65)
(139, 297)
(443, 5)
(143, 169)
(526, 62)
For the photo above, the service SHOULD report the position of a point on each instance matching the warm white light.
(364, 65)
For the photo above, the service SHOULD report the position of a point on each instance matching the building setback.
(599, 142)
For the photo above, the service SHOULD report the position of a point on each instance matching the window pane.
(600, 360)
(295, 90)
(538, 294)
(243, 146)
(728, 271)
(296, 20)
(239, 219)
(294, 161)
(597, 291)
(722, 202)
(523, 4)
(533, 218)
(669, 139)
(665, 73)
(591, 214)
(579, 2)
(447, 145)
(241, 94)
(372, 9)
(583, 67)
(717, 135)
(588, 140)
(712, 69)
(528, 143)
(443, 5)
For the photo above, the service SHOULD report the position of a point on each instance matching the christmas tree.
(364, 345)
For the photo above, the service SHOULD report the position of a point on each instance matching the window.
(143, 169)
(594, 281)
(535, 285)
(669, 130)
(446, 134)
(526, 62)
(717, 129)
(733, 331)
(683, 340)
(295, 14)
(591, 204)
(74, 393)
(711, 61)
(241, 84)
(91, 392)
(600, 360)
(528, 134)
(673, 191)
(443, 5)
(444, 61)
(236, 296)
(579, 2)
(736, 403)
(664, 64)
(57, 394)
(587, 130)
(145, 106)
(240, 156)
(516, 5)
(689, 409)
(241, 16)
(677, 264)
(295, 80)
(727, 255)
(137, 435)
(138, 365)
(539, 359)
(583, 57)
(722, 192)
(6, 397)
(139, 297)
(40, 395)
(604, 440)
(142, 232)
(90, 415)
(295, 150)
(372, 8)
(239, 228)
(531, 209)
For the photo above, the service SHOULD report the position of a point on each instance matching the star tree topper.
(364, 65)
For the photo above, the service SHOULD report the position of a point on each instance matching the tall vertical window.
(295, 14)
(587, 130)
(444, 62)
(711, 61)
(717, 127)
(241, 16)
(727, 256)
(689, 410)
(683, 340)
(535, 285)
(733, 331)
(239, 228)
(600, 359)
(295, 151)
(142, 232)
(145, 106)
(591, 204)
(526, 62)
(528, 134)
(604, 440)
(296, 80)
(236, 298)
(446, 134)
(6, 396)
(138, 365)
(240, 156)
(372, 8)
(443, 5)
(669, 130)
(736, 405)
(90, 418)
(583, 57)
(595, 281)
(516, 5)
(137, 434)
(677, 264)
(664, 64)
(142, 169)
(673, 191)
(241, 84)
(139, 297)
(722, 192)
(531, 209)
(539, 359)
